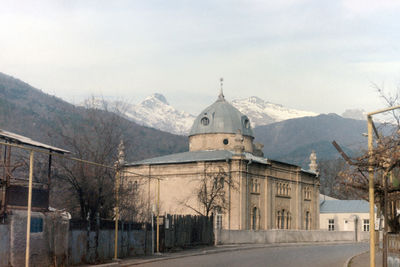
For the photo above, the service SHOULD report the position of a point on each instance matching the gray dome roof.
(221, 117)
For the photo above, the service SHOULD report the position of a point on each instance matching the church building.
(226, 174)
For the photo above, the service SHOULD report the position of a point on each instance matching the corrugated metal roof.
(193, 156)
(323, 197)
(221, 117)
(19, 139)
(344, 206)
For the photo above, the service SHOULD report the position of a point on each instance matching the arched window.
(254, 219)
(205, 121)
(308, 220)
(130, 186)
(278, 221)
(283, 220)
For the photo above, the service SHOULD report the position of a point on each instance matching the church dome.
(221, 117)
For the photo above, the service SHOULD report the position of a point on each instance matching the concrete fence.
(286, 236)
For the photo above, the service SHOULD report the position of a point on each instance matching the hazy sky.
(321, 56)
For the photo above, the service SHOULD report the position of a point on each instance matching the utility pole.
(158, 216)
(28, 219)
(371, 176)
(371, 196)
(118, 164)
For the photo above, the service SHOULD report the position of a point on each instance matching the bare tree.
(211, 191)
(385, 162)
(330, 178)
(89, 190)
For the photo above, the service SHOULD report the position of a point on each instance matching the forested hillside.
(28, 111)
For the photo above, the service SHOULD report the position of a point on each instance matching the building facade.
(344, 215)
(225, 173)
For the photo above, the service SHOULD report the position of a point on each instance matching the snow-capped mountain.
(262, 112)
(356, 114)
(157, 113)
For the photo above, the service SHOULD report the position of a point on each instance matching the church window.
(283, 220)
(130, 186)
(288, 220)
(279, 218)
(255, 186)
(308, 220)
(283, 189)
(331, 225)
(307, 193)
(219, 221)
(205, 121)
(254, 219)
(226, 141)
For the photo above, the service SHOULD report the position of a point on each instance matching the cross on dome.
(221, 96)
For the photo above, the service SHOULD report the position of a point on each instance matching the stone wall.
(48, 246)
(4, 245)
(285, 236)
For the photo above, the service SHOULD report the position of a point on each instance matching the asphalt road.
(297, 256)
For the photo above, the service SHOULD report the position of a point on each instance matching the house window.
(366, 225)
(331, 225)
(36, 225)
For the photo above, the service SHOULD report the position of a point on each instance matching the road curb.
(216, 251)
(165, 257)
(346, 264)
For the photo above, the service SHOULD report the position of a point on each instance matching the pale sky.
(314, 55)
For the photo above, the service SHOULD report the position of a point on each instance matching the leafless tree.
(87, 190)
(211, 191)
(385, 162)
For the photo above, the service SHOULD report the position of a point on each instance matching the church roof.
(193, 156)
(344, 206)
(221, 117)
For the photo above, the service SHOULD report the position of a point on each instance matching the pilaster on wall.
(299, 199)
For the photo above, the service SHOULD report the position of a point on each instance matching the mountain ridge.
(28, 111)
(155, 111)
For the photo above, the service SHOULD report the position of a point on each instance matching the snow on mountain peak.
(160, 97)
(262, 112)
(156, 112)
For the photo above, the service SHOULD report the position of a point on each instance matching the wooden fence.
(186, 231)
